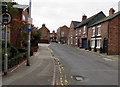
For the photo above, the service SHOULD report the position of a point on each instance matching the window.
(76, 37)
(93, 43)
(99, 30)
(98, 42)
(93, 31)
(84, 30)
(79, 31)
(62, 34)
(76, 32)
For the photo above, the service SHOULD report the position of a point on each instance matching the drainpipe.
(108, 37)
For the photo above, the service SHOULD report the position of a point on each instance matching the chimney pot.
(84, 17)
(111, 11)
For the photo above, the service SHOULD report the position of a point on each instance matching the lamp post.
(24, 7)
(29, 34)
(6, 18)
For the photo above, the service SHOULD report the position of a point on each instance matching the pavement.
(104, 55)
(40, 71)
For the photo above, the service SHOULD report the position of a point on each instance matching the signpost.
(6, 19)
(28, 30)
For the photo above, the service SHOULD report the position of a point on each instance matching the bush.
(101, 50)
(95, 50)
(89, 48)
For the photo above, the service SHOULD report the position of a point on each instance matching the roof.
(106, 19)
(21, 6)
(75, 23)
(88, 20)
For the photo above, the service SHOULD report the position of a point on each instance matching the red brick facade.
(72, 33)
(17, 28)
(45, 34)
(53, 36)
(108, 39)
(62, 33)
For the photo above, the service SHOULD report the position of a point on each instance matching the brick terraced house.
(53, 36)
(71, 36)
(104, 34)
(82, 29)
(62, 34)
(45, 34)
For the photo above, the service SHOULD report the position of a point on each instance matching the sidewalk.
(40, 72)
(104, 55)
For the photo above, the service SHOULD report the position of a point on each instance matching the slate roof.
(87, 20)
(75, 23)
(106, 19)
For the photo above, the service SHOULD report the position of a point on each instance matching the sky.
(56, 13)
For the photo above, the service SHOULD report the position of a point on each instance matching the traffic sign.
(6, 18)
(28, 30)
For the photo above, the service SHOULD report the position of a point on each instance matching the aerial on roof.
(106, 19)
(88, 20)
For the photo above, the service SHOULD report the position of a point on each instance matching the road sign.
(28, 30)
(6, 18)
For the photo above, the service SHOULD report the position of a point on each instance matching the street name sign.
(28, 30)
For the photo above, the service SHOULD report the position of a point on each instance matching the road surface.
(84, 68)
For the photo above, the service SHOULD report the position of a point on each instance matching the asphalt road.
(93, 69)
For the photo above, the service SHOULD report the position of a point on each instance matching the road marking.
(54, 73)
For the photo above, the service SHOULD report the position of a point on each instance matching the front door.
(84, 43)
(105, 46)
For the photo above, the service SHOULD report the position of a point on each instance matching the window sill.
(99, 35)
(97, 47)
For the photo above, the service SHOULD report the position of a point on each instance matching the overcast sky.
(56, 13)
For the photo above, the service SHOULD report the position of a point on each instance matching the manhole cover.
(78, 78)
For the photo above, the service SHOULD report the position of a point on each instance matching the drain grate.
(78, 78)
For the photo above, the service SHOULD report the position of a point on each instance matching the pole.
(6, 55)
(29, 36)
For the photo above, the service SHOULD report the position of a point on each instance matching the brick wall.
(45, 33)
(113, 36)
(71, 35)
(63, 39)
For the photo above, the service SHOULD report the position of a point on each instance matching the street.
(60, 64)
(92, 69)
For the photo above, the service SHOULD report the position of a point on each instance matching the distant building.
(71, 36)
(62, 34)
(53, 36)
(45, 34)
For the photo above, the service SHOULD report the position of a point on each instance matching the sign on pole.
(28, 30)
(6, 18)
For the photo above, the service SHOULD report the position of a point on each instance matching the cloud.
(55, 13)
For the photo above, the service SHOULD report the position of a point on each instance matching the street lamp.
(24, 7)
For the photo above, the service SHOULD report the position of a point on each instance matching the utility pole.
(29, 36)
(6, 55)
(6, 18)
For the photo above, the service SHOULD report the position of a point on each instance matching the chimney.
(84, 17)
(43, 25)
(111, 11)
